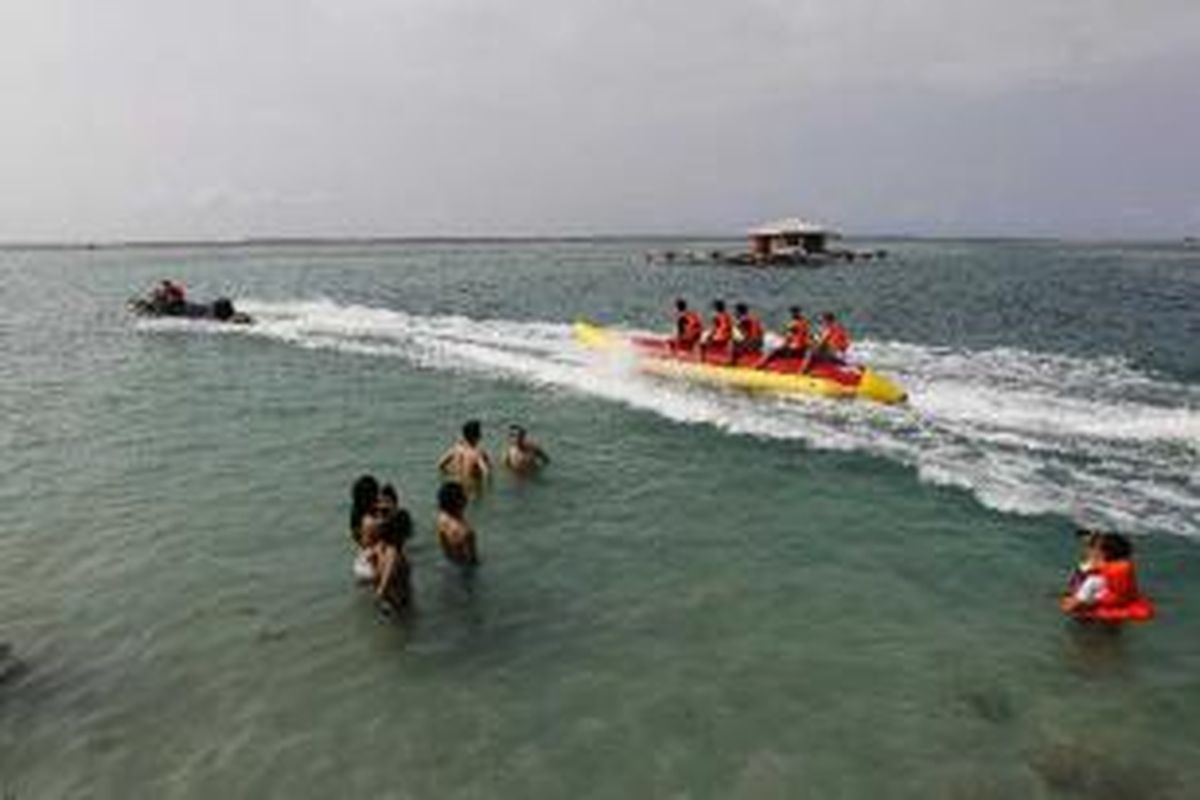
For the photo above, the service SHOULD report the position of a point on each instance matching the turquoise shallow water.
(708, 595)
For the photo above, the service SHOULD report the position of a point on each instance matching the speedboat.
(659, 356)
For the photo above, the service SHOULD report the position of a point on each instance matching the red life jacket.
(836, 337)
(689, 327)
(751, 330)
(722, 328)
(797, 334)
(1121, 601)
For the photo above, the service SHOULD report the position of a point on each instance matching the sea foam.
(1024, 432)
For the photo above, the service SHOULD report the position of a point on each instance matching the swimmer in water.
(466, 461)
(524, 456)
(455, 534)
(392, 572)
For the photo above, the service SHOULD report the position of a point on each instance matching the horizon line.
(333, 240)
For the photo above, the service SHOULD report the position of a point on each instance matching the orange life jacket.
(722, 328)
(836, 337)
(797, 334)
(1121, 601)
(751, 330)
(689, 326)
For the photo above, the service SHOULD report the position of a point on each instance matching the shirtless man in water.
(466, 461)
(523, 455)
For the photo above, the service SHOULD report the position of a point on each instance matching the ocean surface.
(707, 595)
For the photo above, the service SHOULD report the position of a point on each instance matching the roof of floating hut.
(781, 227)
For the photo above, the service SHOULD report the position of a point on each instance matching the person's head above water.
(389, 498)
(516, 433)
(1115, 547)
(452, 498)
(472, 431)
(718, 305)
(365, 491)
(680, 304)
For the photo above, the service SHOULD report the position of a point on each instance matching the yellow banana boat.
(657, 356)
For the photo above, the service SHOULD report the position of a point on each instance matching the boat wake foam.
(1027, 433)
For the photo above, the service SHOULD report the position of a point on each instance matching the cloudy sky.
(142, 119)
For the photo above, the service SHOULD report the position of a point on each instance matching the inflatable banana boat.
(658, 356)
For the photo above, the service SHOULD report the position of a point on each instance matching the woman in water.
(364, 496)
(455, 534)
(392, 571)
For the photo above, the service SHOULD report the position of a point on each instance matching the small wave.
(1026, 433)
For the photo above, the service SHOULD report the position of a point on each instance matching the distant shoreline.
(655, 238)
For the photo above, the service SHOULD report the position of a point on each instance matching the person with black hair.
(689, 327)
(748, 334)
(1109, 592)
(466, 461)
(364, 494)
(454, 533)
(524, 455)
(719, 337)
(393, 585)
(795, 339)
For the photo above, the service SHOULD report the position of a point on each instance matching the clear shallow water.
(709, 595)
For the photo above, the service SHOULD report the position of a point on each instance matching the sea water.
(707, 594)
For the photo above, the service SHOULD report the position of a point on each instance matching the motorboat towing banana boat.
(659, 356)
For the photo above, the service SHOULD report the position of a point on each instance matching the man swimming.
(466, 461)
(523, 455)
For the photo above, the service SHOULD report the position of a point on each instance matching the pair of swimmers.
(381, 527)
(743, 333)
(469, 463)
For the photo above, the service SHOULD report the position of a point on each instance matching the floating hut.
(789, 238)
(788, 242)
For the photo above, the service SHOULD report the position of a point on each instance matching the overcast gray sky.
(225, 118)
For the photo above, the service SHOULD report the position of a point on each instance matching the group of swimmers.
(741, 333)
(381, 527)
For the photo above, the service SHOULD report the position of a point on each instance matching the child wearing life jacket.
(1109, 593)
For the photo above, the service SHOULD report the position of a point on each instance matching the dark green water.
(707, 595)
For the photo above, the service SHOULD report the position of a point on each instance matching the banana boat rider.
(832, 343)
(795, 339)
(689, 327)
(748, 335)
(720, 336)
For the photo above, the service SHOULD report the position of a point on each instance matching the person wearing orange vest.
(795, 339)
(688, 327)
(720, 335)
(748, 336)
(1109, 592)
(831, 344)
